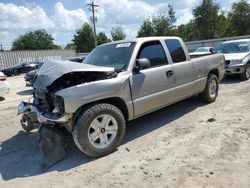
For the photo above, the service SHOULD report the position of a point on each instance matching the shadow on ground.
(20, 154)
(231, 79)
(2, 99)
(25, 92)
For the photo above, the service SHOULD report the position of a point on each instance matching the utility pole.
(1, 47)
(93, 6)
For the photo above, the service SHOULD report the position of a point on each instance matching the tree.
(187, 32)
(37, 40)
(84, 39)
(239, 18)
(146, 29)
(102, 38)
(155, 26)
(206, 15)
(117, 33)
(171, 17)
(221, 26)
(70, 46)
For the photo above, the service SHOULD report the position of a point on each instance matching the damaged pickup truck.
(116, 83)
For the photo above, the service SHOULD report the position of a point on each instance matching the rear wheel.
(99, 130)
(210, 93)
(246, 75)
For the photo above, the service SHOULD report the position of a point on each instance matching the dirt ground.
(188, 144)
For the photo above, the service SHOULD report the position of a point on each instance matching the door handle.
(169, 73)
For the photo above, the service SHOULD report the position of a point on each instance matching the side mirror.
(142, 64)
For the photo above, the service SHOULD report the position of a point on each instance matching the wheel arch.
(215, 72)
(116, 101)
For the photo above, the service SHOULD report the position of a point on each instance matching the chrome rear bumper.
(42, 117)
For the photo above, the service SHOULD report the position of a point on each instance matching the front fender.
(77, 96)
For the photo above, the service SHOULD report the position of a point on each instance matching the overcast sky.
(62, 18)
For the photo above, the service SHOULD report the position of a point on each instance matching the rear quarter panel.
(206, 64)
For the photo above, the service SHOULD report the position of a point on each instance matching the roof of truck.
(141, 39)
(239, 40)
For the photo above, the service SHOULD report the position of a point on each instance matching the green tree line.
(209, 22)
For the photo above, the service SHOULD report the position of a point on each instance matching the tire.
(15, 72)
(210, 93)
(246, 75)
(27, 123)
(91, 135)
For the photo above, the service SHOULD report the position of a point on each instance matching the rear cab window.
(176, 50)
(154, 52)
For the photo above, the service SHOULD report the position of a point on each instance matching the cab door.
(183, 69)
(152, 87)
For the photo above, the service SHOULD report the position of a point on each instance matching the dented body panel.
(79, 95)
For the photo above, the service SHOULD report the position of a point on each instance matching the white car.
(202, 51)
(237, 56)
(4, 85)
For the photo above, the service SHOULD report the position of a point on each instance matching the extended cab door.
(183, 69)
(151, 87)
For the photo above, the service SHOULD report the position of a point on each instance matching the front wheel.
(99, 130)
(210, 93)
(246, 74)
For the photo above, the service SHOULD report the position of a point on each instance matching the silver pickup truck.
(116, 83)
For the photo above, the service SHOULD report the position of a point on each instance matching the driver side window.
(154, 52)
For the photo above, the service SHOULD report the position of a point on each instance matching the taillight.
(2, 78)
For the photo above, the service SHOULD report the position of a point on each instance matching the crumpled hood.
(52, 70)
(235, 56)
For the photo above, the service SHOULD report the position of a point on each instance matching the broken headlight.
(58, 104)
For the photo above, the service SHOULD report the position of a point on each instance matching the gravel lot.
(188, 144)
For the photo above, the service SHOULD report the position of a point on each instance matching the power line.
(93, 6)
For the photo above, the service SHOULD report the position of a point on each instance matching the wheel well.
(116, 101)
(215, 72)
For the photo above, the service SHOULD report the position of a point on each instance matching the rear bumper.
(235, 69)
(42, 117)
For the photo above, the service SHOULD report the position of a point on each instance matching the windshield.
(202, 50)
(234, 47)
(112, 55)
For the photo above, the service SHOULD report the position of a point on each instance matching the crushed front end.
(48, 111)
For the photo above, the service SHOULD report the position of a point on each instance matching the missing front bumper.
(42, 117)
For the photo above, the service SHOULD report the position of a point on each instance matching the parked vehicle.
(30, 76)
(21, 68)
(237, 55)
(4, 85)
(116, 83)
(202, 51)
(77, 59)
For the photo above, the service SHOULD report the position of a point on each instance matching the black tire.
(27, 123)
(206, 96)
(246, 75)
(16, 73)
(82, 127)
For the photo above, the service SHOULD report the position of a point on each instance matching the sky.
(62, 18)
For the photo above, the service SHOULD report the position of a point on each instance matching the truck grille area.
(48, 102)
